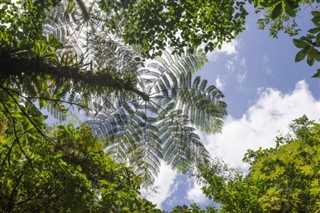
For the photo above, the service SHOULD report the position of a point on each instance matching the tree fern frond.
(165, 71)
(203, 105)
(160, 128)
(181, 144)
(135, 136)
(146, 162)
(140, 131)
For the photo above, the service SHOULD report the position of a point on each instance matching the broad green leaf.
(316, 19)
(301, 54)
(300, 43)
(314, 30)
(315, 13)
(276, 12)
(290, 11)
(311, 55)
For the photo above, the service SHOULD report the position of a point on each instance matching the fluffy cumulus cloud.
(268, 117)
(230, 65)
(226, 49)
(195, 194)
(229, 48)
(234, 62)
(219, 83)
(163, 185)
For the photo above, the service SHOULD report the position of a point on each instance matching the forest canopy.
(130, 65)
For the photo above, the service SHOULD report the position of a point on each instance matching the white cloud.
(219, 84)
(271, 113)
(230, 66)
(268, 116)
(164, 185)
(195, 193)
(226, 49)
(265, 58)
(243, 62)
(229, 48)
(268, 71)
(241, 77)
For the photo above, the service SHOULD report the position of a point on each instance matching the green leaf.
(307, 169)
(290, 11)
(314, 30)
(317, 56)
(311, 55)
(315, 19)
(301, 54)
(317, 75)
(318, 39)
(315, 13)
(310, 61)
(306, 38)
(54, 42)
(300, 43)
(70, 6)
(276, 12)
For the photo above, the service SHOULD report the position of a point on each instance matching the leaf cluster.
(310, 44)
(145, 111)
(279, 15)
(67, 173)
(155, 25)
(280, 179)
(144, 132)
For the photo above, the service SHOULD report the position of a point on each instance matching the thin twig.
(24, 113)
(11, 147)
(16, 137)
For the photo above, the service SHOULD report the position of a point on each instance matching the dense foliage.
(67, 55)
(178, 24)
(69, 173)
(95, 55)
(280, 179)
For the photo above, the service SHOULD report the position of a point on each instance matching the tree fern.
(142, 132)
(146, 110)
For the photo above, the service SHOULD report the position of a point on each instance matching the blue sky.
(264, 89)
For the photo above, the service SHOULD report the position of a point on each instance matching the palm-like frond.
(141, 131)
(181, 146)
(144, 132)
(89, 47)
(202, 104)
(82, 30)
